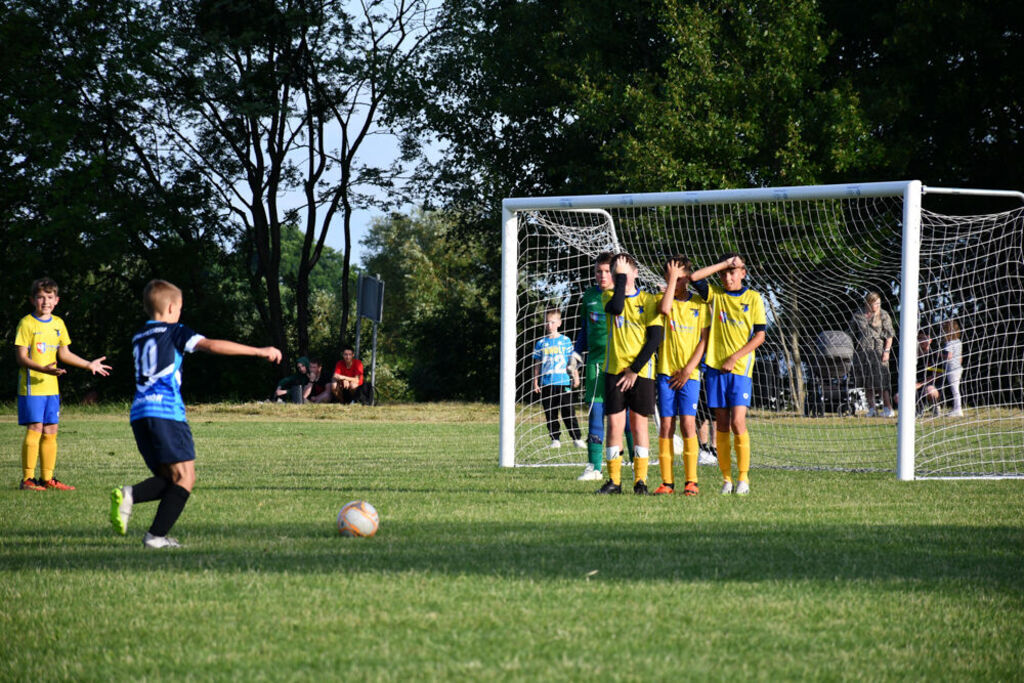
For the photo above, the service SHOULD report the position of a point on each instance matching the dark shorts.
(163, 442)
(639, 399)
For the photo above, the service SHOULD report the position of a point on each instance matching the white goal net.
(815, 254)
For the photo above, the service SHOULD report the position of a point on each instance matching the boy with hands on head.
(634, 333)
(41, 340)
(686, 333)
(738, 326)
(158, 412)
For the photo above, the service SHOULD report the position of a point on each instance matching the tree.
(275, 96)
(81, 199)
(441, 314)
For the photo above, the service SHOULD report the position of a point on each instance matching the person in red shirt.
(348, 376)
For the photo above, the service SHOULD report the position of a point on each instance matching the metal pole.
(908, 330)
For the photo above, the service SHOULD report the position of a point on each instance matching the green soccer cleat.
(121, 509)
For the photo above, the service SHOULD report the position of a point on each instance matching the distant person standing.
(952, 354)
(348, 376)
(554, 379)
(873, 334)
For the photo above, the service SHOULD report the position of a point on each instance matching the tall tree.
(272, 97)
(82, 197)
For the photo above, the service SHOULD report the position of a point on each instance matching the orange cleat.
(663, 489)
(31, 485)
(691, 488)
(60, 486)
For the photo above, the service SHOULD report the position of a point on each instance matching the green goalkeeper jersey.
(594, 335)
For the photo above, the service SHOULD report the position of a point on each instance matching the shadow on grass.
(985, 557)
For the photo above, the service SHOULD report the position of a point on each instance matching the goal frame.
(911, 192)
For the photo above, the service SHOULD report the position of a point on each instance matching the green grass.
(483, 573)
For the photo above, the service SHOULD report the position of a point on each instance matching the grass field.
(479, 573)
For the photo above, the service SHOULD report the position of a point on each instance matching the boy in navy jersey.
(158, 412)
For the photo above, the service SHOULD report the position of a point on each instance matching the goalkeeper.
(592, 339)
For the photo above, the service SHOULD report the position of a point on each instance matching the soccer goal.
(814, 253)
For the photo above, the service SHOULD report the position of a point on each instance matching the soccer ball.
(358, 518)
(677, 444)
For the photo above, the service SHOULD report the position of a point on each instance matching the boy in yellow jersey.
(41, 340)
(686, 334)
(634, 333)
(738, 325)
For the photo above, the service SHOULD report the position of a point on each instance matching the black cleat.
(610, 487)
(640, 488)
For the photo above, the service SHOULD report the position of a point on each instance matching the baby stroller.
(828, 383)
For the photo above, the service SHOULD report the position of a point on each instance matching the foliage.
(441, 315)
(81, 201)
(273, 97)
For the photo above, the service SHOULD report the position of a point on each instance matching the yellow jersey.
(683, 326)
(733, 317)
(42, 338)
(627, 332)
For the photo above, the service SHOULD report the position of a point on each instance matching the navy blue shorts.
(163, 442)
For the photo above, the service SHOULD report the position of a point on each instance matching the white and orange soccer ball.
(358, 518)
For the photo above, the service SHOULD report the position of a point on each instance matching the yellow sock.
(640, 462)
(724, 454)
(665, 459)
(48, 455)
(29, 454)
(743, 455)
(691, 446)
(615, 470)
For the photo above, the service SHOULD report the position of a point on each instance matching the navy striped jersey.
(158, 349)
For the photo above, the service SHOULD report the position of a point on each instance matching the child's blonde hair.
(552, 311)
(157, 295)
(951, 329)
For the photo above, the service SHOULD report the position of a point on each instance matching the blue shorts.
(163, 442)
(726, 390)
(45, 409)
(673, 402)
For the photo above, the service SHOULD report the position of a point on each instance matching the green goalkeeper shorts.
(593, 384)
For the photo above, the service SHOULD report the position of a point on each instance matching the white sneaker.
(555, 443)
(742, 488)
(872, 413)
(580, 443)
(888, 412)
(121, 509)
(151, 541)
(590, 474)
(726, 488)
(955, 413)
(707, 457)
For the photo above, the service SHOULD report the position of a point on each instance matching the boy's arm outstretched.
(223, 347)
(707, 271)
(95, 366)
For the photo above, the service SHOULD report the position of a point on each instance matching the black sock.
(149, 489)
(169, 509)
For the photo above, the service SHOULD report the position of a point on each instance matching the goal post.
(813, 252)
